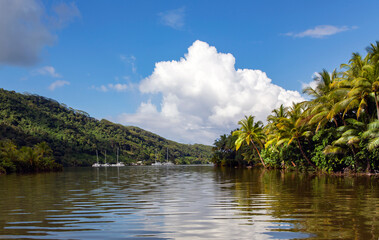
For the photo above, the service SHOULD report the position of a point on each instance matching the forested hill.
(74, 136)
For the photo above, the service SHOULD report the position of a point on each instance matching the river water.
(187, 202)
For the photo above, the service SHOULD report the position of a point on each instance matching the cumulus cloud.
(25, 29)
(203, 96)
(320, 31)
(313, 84)
(47, 71)
(116, 87)
(58, 84)
(173, 18)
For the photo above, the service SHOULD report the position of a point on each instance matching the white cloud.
(203, 96)
(313, 84)
(25, 29)
(173, 18)
(57, 84)
(118, 87)
(47, 71)
(320, 31)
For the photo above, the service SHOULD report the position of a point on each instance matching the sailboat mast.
(105, 156)
(97, 157)
(117, 155)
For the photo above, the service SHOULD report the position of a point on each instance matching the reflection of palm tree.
(250, 132)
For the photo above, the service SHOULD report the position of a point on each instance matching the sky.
(186, 70)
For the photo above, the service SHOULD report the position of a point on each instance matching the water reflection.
(187, 202)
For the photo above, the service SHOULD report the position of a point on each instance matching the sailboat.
(105, 160)
(97, 164)
(118, 164)
(167, 163)
(156, 163)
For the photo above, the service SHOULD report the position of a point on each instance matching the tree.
(271, 129)
(294, 128)
(372, 133)
(250, 132)
(361, 79)
(324, 99)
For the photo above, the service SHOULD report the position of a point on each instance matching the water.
(187, 202)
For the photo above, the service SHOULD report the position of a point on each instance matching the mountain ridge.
(75, 136)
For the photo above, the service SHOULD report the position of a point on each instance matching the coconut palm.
(294, 128)
(250, 132)
(361, 83)
(373, 52)
(271, 128)
(350, 137)
(353, 135)
(324, 99)
(372, 133)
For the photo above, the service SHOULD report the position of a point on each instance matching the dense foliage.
(38, 158)
(74, 136)
(336, 130)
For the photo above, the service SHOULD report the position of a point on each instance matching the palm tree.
(372, 133)
(373, 52)
(293, 128)
(324, 99)
(361, 79)
(350, 137)
(250, 132)
(271, 128)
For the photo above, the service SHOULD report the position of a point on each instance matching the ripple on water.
(187, 203)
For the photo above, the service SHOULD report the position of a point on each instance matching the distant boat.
(167, 163)
(118, 164)
(156, 163)
(97, 164)
(105, 160)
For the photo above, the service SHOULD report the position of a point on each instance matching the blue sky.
(175, 67)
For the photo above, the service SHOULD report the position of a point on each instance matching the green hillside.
(74, 136)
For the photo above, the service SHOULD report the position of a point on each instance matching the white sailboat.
(97, 164)
(156, 163)
(118, 164)
(167, 163)
(105, 160)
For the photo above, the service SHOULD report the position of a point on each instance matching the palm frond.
(333, 150)
(374, 143)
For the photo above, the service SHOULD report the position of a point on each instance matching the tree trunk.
(335, 122)
(305, 156)
(377, 106)
(368, 167)
(258, 153)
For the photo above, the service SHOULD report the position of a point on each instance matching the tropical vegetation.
(74, 137)
(336, 130)
(38, 158)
